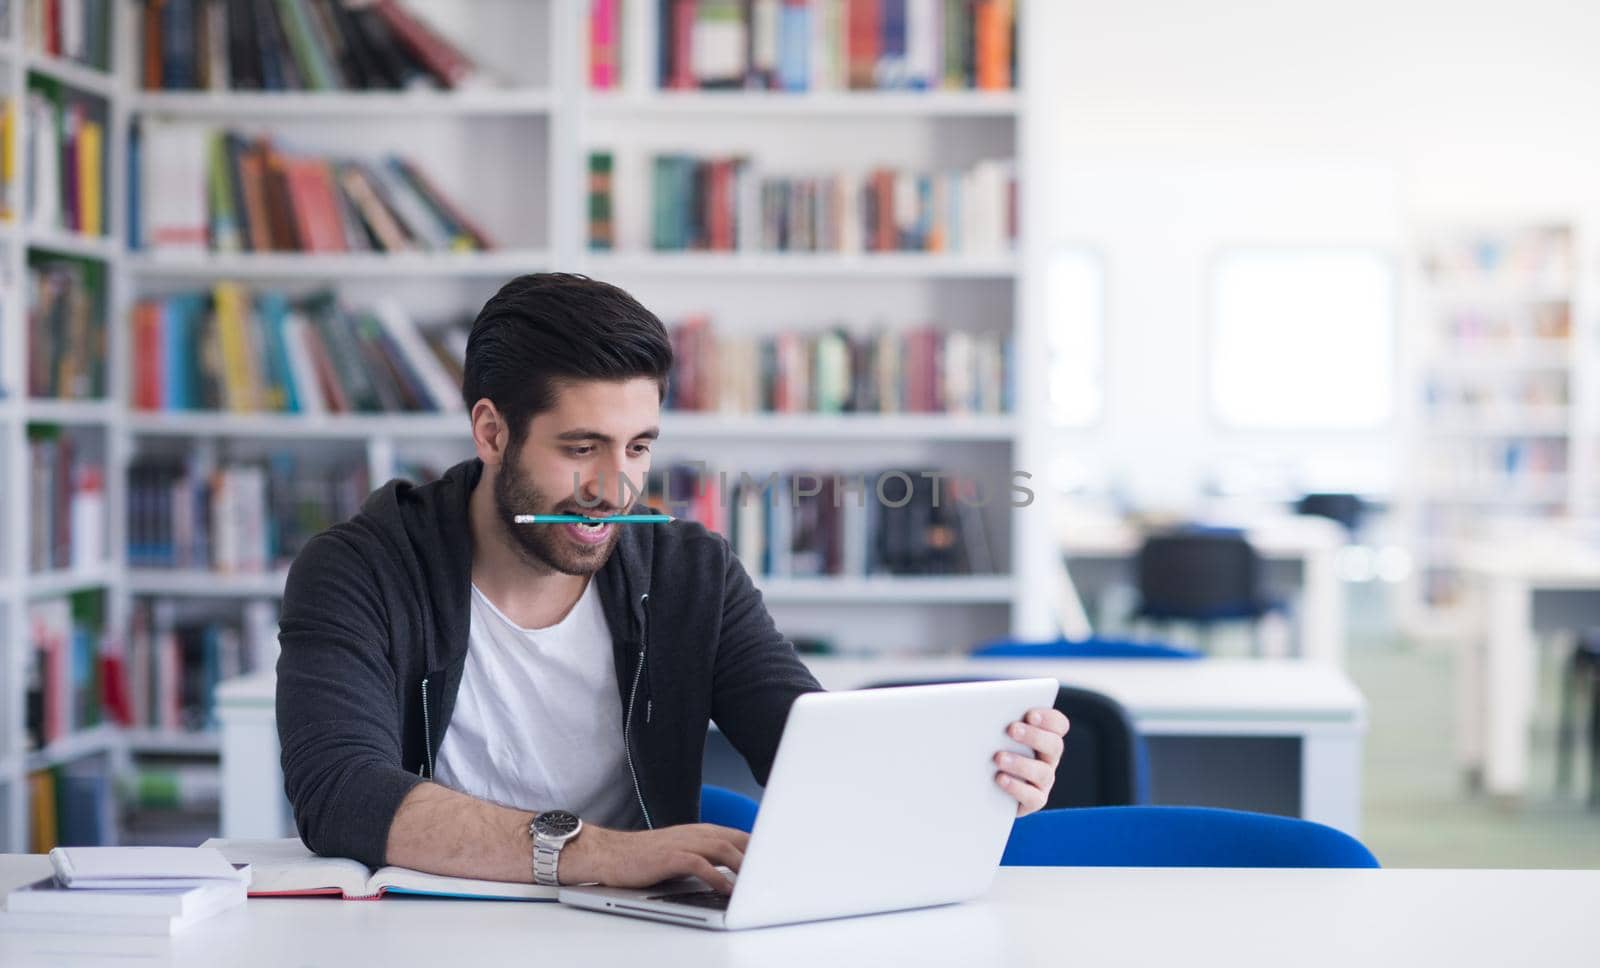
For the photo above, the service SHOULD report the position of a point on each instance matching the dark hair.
(548, 327)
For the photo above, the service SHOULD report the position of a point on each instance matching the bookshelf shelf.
(805, 265)
(675, 426)
(337, 266)
(171, 742)
(49, 584)
(81, 413)
(72, 243)
(70, 73)
(88, 742)
(200, 583)
(228, 106)
(846, 104)
(887, 589)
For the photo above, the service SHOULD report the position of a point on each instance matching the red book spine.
(862, 34)
(683, 45)
(884, 230)
(438, 55)
(722, 205)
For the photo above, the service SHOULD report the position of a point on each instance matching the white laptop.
(879, 800)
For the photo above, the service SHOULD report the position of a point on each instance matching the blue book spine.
(794, 47)
(274, 309)
(891, 72)
(135, 239)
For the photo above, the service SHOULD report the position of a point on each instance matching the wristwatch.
(551, 831)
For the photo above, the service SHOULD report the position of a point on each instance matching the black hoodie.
(374, 640)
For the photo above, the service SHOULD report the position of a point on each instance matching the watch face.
(555, 823)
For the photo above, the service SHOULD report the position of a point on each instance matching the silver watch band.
(546, 862)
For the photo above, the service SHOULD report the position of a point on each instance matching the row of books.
(66, 150)
(920, 369)
(72, 805)
(66, 327)
(202, 189)
(804, 45)
(228, 349)
(817, 523)
(1545, 323)
(293, 45)
(1508, 469)
(729, 204)
(67, 674)
(77, 30)
(66, 478)
(1526, 392)
(238, 517)
(174, 662)
(1529, 256)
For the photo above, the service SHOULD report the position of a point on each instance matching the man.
(446, 673)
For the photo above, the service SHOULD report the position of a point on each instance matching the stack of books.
(174, 664)
(66, 327)
(806, 45)
(920, 369)
(67, 681)
(78, 31)
(294, 45)
(67, 158)
(199, 189)
(66, 474)
(127, 890)
(229, 349)
(728, 204)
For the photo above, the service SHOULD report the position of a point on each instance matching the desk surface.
(1032, 916)
(1243, 691)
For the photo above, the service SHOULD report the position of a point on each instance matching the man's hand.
(1029, 779)
(618, 858)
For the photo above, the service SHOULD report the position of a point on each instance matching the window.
(1075, 310)
(1303, 339)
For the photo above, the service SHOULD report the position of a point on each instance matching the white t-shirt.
(537, 723)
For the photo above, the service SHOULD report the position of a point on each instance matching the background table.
(1539, 582)
(1032, 916)
(1277, 735)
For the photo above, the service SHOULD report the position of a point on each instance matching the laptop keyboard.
(715, 900)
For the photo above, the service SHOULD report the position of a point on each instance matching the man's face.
(574, 459)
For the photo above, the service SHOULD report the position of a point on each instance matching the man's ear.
(490, 433)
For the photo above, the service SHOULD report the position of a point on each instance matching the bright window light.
(1303, 339)
(1075, 307)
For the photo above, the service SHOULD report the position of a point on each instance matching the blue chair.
(1177, 837)
(727, 809)
(1093, 648)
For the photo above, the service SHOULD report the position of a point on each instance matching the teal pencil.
(580, 519)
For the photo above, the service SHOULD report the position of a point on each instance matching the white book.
(141, 867)
(158, 925)
(307, 388)
(923, 39)
(441, 386)
(287, 868)
(173, 171)
(50, 896)
(44, 200)
(827, 16)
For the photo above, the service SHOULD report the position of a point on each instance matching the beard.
(545, 545)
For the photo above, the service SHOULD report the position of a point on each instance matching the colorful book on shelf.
(287, 868)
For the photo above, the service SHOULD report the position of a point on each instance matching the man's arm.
(445, 832)
(757, 676)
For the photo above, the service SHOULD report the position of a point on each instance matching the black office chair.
(1103, 763)
(1203, 576)
(1346, 509)
(1583, 669)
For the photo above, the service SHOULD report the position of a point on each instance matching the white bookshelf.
(1485, 341)
(18, 587)
(515, 158)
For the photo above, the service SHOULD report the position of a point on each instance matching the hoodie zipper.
(427, 733)
(627, 722)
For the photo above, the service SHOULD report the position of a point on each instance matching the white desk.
(1032, 916)
(1311, 543)
(1500, 694)
(1315, 704)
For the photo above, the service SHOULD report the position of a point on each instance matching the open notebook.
(287, 868)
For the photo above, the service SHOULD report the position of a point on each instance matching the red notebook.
(286, 868)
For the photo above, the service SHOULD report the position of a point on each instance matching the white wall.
(1175, 127)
